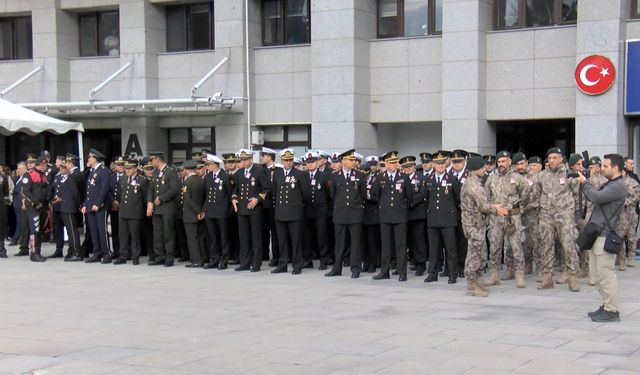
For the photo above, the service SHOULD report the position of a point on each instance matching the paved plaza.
(70, 318)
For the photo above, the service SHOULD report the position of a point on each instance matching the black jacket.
(394, 197)
(133, 197)
(371, 212)
(192, 198)
(320, 197)
(254, 184)
(98, 182)
(165, 185)
(348, 197)
(418, 210)
(217, 203)
(290, 193)
(35, 189)
(443, 201)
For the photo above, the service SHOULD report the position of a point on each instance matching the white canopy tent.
(14, 118)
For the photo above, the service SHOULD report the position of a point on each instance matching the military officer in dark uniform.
(417, 214)
(394, 194)
(147, 222)
(56, 203)
(96, 204)
(291, 190)
(161, 198)
(370, 223)
(443, 202)
(427, 164)
(489, 166)
(252, 187)
(70, 197)
(269, 232)
(316, 211)
(231, 166)
(218, 186)
(191, 201)
(132, 196)
(348, 190)
(116, 175)
(25, 226)
(182, 249)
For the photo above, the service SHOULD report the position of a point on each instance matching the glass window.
(438, 17)
(415, 17)
(16, 38)
(388, 19)
(201, 135)
(99, 34)
(297, 137)
(397, 18)
(273, 134)
(286, 22)
(180, 135)
(508, 13)
(298, 133)
(512, 14)
(569, 10)
(178, 156)
(539, 13)
(190, 27)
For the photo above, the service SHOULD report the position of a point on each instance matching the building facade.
(411, 75)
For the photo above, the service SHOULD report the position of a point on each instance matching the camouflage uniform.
(474, 207)
(629, 218)
(510, 191)
(554, 192)
(530, 223)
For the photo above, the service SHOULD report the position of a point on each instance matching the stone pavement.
(70, 318)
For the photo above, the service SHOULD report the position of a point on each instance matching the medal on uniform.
(253, 181)
(220, 187)
(446, 190)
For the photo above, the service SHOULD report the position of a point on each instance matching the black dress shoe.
(452, 280)
(93, 259)
(444, 274)
(136, 261)
(419, 272)
(371, 269)
(209, 266)
(56, 254)
(3, 255)
(193, 265)
(333, 273)
(402, 278)
(74, 259)
(222, 266)
(21, 253)
(255, 269)
(308, 264)
(461, 274)
(431, 278)
(412, 267)
(355, 275)
(345, 263)
(37, 258)
(322, 267)
(119, 261)
(330, 262)
(168, 263)
(296, 272)
(274, 262)
(279, 269)
(156, 262)
(242, 268)
(68, 257)
(381, 276)
(106, 260)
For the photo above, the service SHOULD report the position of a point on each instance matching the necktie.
(129, 180)
(391, 176)
(246, 173)
(438, 180)
(312, 174)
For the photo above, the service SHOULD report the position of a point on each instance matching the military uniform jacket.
(318, 203)
(328, 173)
(348, 196)
(254, 183)
(270, 199)
(192, 198)
(474, 204)
(418, 208)
(394, 197)
(371, 211)
(443, 201)
(133, 196)
(218, 195)
(56, 188)
(461, 176)
(291, 193)
(69, 194)
(115, 186)
(165, 185)
(34, 188)
(98, 183)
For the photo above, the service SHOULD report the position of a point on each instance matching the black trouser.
(147, 237)
(87, 243)
(203, 240)
(269, 235)
(461, 246)
(164, 237)
(394, 239)
(99, 237)
(193, 242)
(318, 226)
(182, 249)
(24, 231)
(354, 233)
(438, 237)
(290, 237)
(234, 237)
(129, 238)
(4, 228)
(115, 233)
(36, 219)
(371, 251)
(70, 222)
(418, 244)
(58, 230)
(250, 230)
(219, 241)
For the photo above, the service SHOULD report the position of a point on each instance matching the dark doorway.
(535, 137)
(20, 144)
(107, 141)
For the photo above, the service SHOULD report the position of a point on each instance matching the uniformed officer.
(417, 215)
(218, 188)
(116, 175)
(95, 205)
(132, 192)
(191, 200)
(24, 222)
(348, 190)
(35, 196)
(291, 190)
(443, 202)
(252, 188)
(427, 164)
(231, 163)
(489, 167)
(316, 211)
(56, 203)
(394, 193)
(161, 205)
(182, 250)
(70, 206)
(370, 223)
(4, 206)
(147, 222)
(269, 232)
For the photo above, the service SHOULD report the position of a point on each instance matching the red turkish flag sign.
(595, 75)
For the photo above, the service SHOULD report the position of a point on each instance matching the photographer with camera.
(601, 234)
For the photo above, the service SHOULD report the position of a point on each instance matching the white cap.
(371, 158)
(311, 155)
(211, 158)
(297, 161)
(287, 152)
(266, 150)
(323, 154)
(358, 156)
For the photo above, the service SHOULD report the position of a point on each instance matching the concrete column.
(464, 124)
(340, 75)
(600, 124)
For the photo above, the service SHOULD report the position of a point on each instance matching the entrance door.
(535, 137)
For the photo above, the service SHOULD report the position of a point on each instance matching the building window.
(286, 22)
(16, 38)
(185, 141)
(297, 137)
(516, 14)
(190, 27)
(402, 18)
(99, 34)
(635, 9)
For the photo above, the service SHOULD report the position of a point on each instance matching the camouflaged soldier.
(509, 189)
(475, 208)
(628, 220)
(555, 193)
(530, 217)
